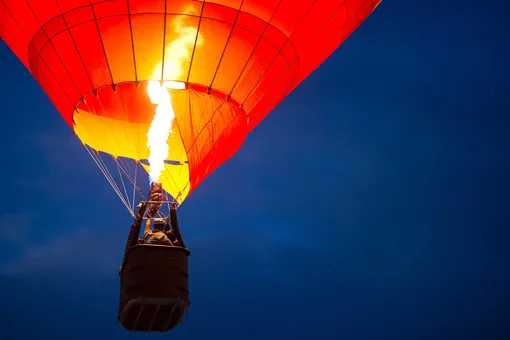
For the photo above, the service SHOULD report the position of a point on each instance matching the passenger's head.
(159, 224)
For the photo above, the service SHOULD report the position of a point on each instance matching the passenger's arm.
(147, 225)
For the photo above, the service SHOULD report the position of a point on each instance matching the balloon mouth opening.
(92, 101)
(115, 119)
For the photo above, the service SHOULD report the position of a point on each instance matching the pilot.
(157, 235)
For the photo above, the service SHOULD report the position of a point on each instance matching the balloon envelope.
(235, 59)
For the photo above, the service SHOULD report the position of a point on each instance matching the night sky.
(373, 203)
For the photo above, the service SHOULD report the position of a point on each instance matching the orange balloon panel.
(237, 59)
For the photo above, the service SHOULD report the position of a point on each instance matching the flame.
(177, 53)
(161, 128)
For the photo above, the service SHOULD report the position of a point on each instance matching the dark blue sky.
(373, 203)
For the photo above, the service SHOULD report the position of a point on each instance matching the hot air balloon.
(169, 89)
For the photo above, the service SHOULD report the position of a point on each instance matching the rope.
(108, 176)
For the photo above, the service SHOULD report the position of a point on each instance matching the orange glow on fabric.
(178, 83)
